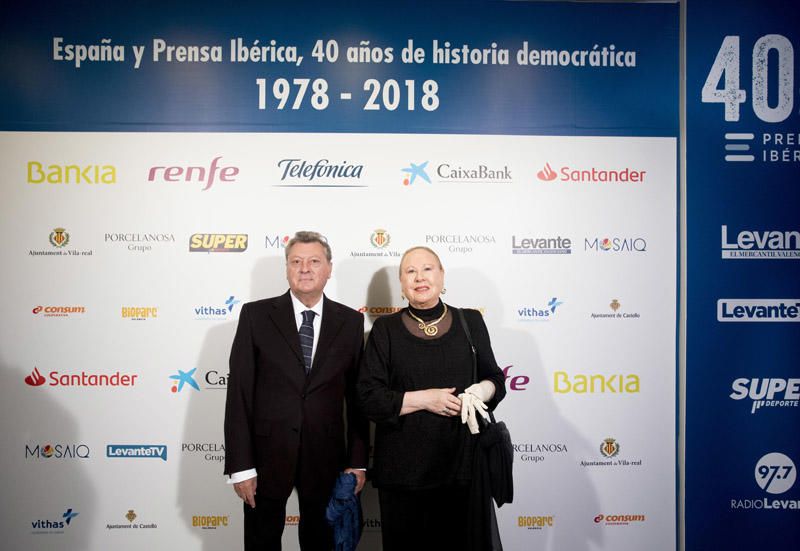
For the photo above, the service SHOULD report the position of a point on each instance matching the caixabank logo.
(218, 243)
(760, 244)
(57, 525)
(624, 175)
(775, 473)
(767, 392)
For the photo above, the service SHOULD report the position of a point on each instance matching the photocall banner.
(157, 159)
(743, 378)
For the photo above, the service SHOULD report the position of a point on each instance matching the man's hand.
(361, 478)
(246, 490)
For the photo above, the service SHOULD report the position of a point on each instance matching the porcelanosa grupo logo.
(319, 173)
(209, 451)
(591, 175)
(761, 244)
(772, 392)
(139, 242)
(463, 243)
(758, 309)
(775, 473)
(538, 452)
(203, 177)
(414, 171)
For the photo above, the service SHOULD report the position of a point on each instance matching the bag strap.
(474, 352)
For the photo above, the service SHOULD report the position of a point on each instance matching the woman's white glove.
(473, 399)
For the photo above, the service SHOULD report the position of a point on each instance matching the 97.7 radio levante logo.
(775, 473)
(771, 97)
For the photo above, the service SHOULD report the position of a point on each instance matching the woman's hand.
(440, 401)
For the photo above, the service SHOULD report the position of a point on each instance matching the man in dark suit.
(294, 362)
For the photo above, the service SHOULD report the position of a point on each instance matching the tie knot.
(308, 316)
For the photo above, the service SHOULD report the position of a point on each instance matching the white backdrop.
(597, 310)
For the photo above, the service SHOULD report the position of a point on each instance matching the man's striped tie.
(307, 338)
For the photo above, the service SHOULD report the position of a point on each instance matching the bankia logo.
(58, 311)
(220, 312)
(758, 310)
(182, 378)
(414, 171)
(40, 173)
(59, 239)
(595, 383)
(82, 379)
(591, 175)
(540, 245)
(761, 244)
(203, 177)
(57, 451)
(615, 244)
(54, 526)
(319, 173)
(218, 243)
(539, 313)
(764, 392)
(137, 451)
(140, 242)
(775, 473)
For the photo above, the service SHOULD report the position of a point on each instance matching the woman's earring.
(444, 290)
(402, 296)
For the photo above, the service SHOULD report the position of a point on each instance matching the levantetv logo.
(766, 244)
(758, 310)
(137, 451)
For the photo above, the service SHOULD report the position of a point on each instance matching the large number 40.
(726, 65)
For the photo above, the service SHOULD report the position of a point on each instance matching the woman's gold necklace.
(429, 328)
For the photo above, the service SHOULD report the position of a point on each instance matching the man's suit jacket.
(276, 418)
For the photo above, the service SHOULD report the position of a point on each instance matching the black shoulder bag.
(495, 441)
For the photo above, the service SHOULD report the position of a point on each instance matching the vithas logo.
(35, 378)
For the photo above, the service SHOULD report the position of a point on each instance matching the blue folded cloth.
(344, 513)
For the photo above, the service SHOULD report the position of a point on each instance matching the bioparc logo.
(218, 243)
(761, 244)
(59, 238)
(758, 310)
(618, 520)
(535, 522)
(539, 313)
(541, 245)
(82, 379)
(200, 175)
(615, 244)
(591, 175)
(54, 526)
(210, 522)
(610, 450)
(57, 451)
(319, 173)
(139, 313)
(458, 173)
(58, 311)
(137, 451)
(766, 392)
(217, 313)
(775, 474)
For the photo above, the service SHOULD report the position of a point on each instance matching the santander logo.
(547, 174)
(35, 378)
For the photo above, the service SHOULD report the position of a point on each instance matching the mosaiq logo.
(319, 173)
(137, 451)
(591, 175)
(57, 451)
(760, 244)
(204, 177)
(766, 392)
(615, 244)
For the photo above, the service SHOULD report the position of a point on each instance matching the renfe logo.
(758, 310)
(194, 174)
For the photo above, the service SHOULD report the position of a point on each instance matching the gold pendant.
(431, 330)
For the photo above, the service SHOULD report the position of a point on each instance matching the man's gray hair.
(309, 237)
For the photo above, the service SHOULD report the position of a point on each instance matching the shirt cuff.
(241, 476)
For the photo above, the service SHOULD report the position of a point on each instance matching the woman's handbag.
(495, 442)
